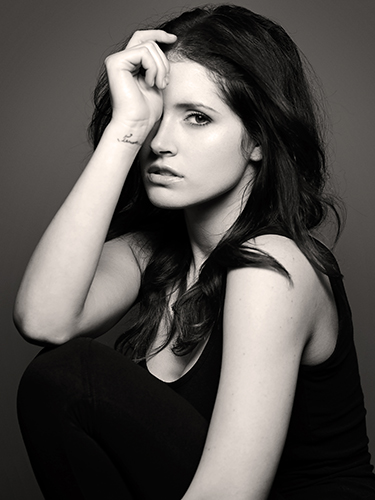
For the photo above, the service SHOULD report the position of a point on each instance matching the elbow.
(39, 331)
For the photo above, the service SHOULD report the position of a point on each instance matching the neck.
(206, 226)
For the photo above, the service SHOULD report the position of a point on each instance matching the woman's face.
(194, 154)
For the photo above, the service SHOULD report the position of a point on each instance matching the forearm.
(61, 270)
(56, 288)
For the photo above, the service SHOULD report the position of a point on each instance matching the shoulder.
(267, 299)
(280, 247)
(288, 255)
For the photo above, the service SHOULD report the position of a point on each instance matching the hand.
(137, 76)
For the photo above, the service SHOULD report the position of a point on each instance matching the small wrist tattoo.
(126, 138)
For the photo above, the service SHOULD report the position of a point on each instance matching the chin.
(161, 202)
(165, 200)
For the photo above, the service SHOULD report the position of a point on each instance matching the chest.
(167, 366)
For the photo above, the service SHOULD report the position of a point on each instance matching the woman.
(239, 379)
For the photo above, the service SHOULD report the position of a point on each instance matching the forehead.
(190, 82)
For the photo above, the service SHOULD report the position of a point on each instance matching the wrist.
(128, 133)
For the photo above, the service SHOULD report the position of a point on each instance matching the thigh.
(152, 436)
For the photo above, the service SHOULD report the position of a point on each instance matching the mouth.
(163, 171)
(162, 176)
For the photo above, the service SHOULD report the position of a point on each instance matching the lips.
(162, 176)
(164, 171)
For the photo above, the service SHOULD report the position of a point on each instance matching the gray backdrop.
(50, 55)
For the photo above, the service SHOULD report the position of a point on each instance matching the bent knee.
(55, 371)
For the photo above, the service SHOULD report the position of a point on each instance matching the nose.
(163, 142)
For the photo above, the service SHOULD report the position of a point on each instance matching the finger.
(151, 58)
(161, 62)
(147, 57)
(143, 36)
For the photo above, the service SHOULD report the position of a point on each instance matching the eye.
(197, 118)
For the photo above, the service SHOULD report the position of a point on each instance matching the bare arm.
(267, 324)
(75, 283)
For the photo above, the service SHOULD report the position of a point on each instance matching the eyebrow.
(191, 104)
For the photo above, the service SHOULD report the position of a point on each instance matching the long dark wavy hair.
(259, 72)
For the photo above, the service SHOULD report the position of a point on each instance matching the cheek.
(226, 136)
(225, 150)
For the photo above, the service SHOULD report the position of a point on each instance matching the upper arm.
(115, 286)
(268, 321)
(54, 309)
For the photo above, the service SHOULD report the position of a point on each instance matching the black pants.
(97, 426)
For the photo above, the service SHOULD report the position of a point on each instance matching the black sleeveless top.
(327, 440)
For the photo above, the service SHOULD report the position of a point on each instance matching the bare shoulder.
(265, 283)
(302, 307)
(264, 296)
(286, 252)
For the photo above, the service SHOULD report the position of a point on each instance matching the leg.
(98, 426)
